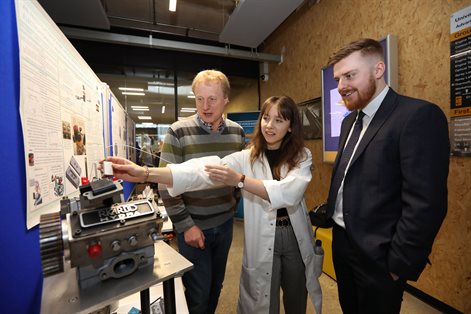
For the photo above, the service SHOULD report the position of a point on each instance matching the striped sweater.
(187, 139)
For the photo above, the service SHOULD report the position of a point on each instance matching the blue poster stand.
(20, 264)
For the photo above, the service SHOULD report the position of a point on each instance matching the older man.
(203, 219)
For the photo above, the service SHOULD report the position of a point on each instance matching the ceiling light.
(191, 96)
(133, 93)
(140, 109)
(184, 109)
(160, 83)
(146, 108)
(146, 125)
(163, 109)
(131, 89)
(161, 90)
(144, 117)
(172, 5)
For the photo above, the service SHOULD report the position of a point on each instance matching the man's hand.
(194, 237)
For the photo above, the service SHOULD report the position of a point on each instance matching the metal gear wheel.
(51, 244)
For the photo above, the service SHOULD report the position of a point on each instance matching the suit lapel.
(387, 106)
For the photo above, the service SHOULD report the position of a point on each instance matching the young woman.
(273, 174)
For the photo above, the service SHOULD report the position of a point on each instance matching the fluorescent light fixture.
(160, 89)
(140, 107)
(131, 89)
(160, 83)
(146, 125)
(172, 5)
(184, 90)
(184, 109)
(191, 96)
(133, 93)
(167, 88)
(163, 109)
(144, 117)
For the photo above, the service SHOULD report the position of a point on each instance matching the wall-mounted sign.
(460, 82)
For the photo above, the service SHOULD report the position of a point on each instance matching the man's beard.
(362, 98)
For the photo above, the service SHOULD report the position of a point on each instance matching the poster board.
(333, 111)
(460, 82)
(116, 135)
(61, 109)
(118, 127)
(247, 120)
(131, 152)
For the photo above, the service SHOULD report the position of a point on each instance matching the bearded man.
(388, 194)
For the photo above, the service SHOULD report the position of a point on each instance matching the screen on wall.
(333, 110)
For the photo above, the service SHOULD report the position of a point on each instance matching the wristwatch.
(240, 185)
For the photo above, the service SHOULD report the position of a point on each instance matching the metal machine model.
(100, 234)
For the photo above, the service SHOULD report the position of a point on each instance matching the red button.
(94, 250)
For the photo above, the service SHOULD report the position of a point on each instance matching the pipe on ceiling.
(151, 42)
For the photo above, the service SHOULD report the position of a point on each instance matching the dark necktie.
(346, 156)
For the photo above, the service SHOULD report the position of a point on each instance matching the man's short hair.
(206, 76)
(366, 46)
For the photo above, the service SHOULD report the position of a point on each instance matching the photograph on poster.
(58, 185)
(37, 197)
(31, 159)
(66, 133)
(78, 137)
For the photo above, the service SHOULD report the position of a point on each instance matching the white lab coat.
(260, 222)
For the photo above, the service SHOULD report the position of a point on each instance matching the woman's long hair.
(292, 144)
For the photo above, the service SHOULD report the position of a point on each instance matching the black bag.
(319, 217)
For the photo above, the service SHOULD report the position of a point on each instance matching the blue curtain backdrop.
(20, 264)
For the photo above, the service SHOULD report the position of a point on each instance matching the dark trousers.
(203, 283)
(364, 286)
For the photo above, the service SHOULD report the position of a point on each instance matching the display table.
(167, 226)
(61, 293)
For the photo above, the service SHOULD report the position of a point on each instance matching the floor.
(228, 300)
(229, 294)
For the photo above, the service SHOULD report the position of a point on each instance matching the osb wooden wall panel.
(307, 39)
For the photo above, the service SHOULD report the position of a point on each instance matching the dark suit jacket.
(395, 191)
